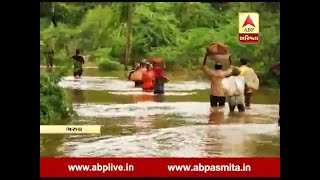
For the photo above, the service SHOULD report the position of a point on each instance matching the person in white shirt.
(234, 87)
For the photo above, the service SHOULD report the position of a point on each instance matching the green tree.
(117, 33)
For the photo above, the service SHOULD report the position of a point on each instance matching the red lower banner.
(160, 167)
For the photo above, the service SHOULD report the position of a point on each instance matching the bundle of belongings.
(158, 68)
(218, 52)
(155, 60)
(137, 71)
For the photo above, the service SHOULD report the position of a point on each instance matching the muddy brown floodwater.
(178, 124)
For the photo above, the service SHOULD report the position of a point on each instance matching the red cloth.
(147, 80)
(158, 72)
(155, 60)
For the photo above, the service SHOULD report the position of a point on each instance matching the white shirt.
(234, 85)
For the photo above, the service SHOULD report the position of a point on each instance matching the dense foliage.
(54, 106)
(176, 31)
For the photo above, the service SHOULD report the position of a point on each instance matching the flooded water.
(177, 124)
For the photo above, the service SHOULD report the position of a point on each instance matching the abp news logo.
(249, 28)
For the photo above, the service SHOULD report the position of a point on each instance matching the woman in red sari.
(159, 75)
(148, 79)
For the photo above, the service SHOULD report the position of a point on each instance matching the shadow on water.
(148, 98)
(216, 117)
(77, 96)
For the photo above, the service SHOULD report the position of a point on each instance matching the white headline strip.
(70, 129)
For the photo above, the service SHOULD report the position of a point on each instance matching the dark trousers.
(236, 101)
(159, 89)
(137, 83)
(247, 98)
(78, 73)
(49, 60)
(216, 101)
(239, 106)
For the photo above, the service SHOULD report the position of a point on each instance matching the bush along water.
(54, 106)
(177, 32)
(108, 65)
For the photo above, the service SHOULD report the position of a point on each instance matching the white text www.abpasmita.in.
(207, 168)
(101, 168)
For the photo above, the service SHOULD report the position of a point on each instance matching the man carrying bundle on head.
(217, 95)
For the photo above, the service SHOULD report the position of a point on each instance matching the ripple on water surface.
(169, 129)
(114, 84)
(251, 134)
(182, 109)
(241, 140)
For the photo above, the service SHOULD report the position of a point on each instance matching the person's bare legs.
(247, 99)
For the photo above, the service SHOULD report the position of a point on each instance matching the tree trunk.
(52, 10)
(52, 14)
(128, 34)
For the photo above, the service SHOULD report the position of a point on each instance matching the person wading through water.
(217, 95)
(275, 71)
(141, 66)
(160, 79)
(49, 57)
(78, 62)
(234, 87)
(148, 79)
(248, 90)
